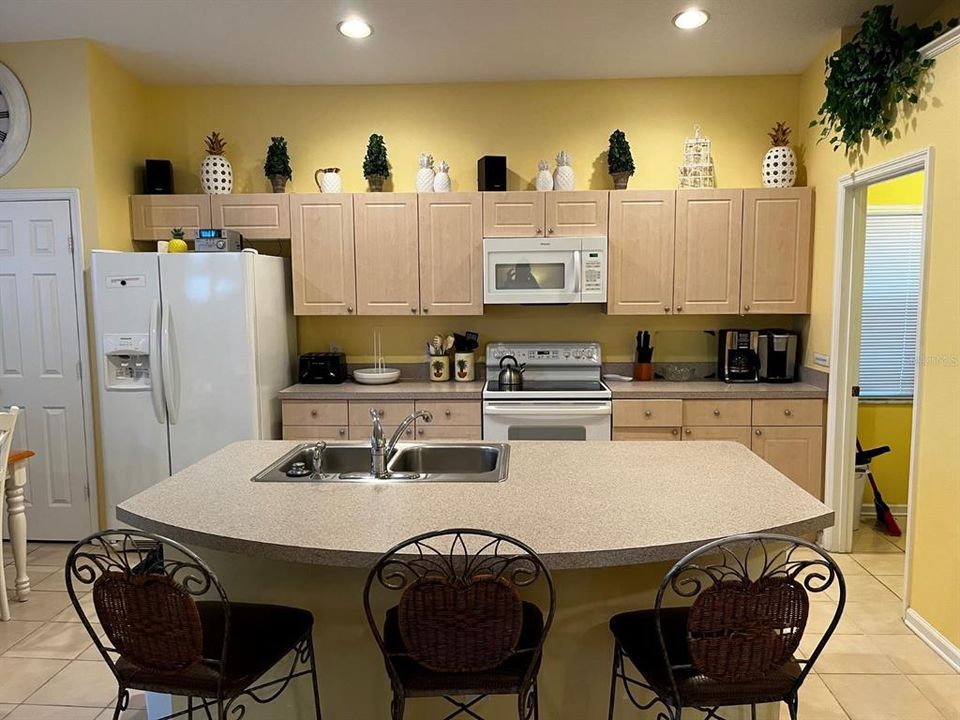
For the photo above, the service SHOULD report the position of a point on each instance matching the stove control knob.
(576, 353)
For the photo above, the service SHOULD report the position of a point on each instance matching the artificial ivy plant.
(278, 159)
(870, 76)
(375, 162)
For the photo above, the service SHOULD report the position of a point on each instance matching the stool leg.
(17, 521)
(613, 680)
(313, 673)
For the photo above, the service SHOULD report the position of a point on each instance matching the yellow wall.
(935, 567)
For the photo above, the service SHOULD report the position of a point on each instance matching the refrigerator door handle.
(156, 374)
(171, 369)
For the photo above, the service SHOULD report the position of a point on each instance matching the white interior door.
(40, 363)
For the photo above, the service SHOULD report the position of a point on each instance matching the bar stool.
(735, 644)
(160, 638)
(460, 628)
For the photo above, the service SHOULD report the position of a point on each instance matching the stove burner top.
(555, 386)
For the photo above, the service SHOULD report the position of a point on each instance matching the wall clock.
(14, 120)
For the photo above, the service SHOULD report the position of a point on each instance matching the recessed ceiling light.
(354, 28)
(690, 19)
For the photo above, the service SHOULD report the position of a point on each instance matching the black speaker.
(157, 177)
(492, 172)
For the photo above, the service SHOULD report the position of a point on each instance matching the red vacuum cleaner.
(885, 518)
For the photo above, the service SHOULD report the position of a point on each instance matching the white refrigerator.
(192, 350)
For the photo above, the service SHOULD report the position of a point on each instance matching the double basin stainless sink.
(488, 462)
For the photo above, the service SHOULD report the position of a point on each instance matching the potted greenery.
(375, 167)
(870, 76)
(277, 165)
(619, 160)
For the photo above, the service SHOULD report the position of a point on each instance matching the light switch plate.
(821, 360)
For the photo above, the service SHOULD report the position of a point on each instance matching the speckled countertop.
(401, 390)
(586, 504)
(714, 389)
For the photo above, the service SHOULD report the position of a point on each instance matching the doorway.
(44, 358)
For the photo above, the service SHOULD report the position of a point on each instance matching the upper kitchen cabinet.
(256, 216)
(513, 214)
(776, 250)
(579, 213)
(152, 217)
(387, 255)
(707, 252)
(324, 282)
(640, 269)
(451, 253)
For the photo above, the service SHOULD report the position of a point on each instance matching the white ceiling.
(295, 42)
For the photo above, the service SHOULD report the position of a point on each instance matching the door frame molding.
(72, 196)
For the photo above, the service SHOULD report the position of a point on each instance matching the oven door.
(531, 270)
(505, 420)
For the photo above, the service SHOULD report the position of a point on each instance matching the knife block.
(643, 371)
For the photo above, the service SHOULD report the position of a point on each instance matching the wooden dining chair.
(8, 421)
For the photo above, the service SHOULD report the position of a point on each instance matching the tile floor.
(874, 668)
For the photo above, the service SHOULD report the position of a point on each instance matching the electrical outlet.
(821, 360)
(335, 348)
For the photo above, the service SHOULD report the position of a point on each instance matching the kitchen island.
(606, 517)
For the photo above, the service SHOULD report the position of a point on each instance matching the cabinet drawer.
(788, 412)
(716, 412)
(314, 432)
(653, 433)
(363, 432)
(429, 432)
(647, 413)
(734, 434)
(314, 413)
(391, 411)
(454, 412)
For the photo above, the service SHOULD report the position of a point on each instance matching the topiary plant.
(277, 163)
(868, 78)
(375, 166)
(619, 159)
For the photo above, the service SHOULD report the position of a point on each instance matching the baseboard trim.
(932, 637)
(895, 510)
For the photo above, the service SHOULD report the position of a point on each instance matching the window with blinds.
(891, 292)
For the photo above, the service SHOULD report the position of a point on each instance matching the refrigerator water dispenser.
(127, 362)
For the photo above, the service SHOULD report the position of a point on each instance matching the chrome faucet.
(380, 448)
(317, 457)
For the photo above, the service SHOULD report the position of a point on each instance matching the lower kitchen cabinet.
(646, 433)
(427, 432)
(364, 432)
(314, 432)
(734, 434)
(797, 452)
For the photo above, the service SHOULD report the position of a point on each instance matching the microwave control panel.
(593, 266)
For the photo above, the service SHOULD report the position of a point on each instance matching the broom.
(884, 516)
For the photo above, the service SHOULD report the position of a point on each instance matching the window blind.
(891, 292)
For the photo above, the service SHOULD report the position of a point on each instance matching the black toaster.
(323, 368)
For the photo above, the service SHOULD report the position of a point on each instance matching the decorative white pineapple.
(425, 173)
(441, 181)
(563, 175)
(216, 172)
(780, 162)
(544, 178)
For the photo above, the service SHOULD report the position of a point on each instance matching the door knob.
(420, 431)
(313, 413)
(539, 231)
(413, 310)
(746, 307)
(447, 412)
(679, 308)
(426, 310)
(343, 431)
(675, 431)
(666, 308)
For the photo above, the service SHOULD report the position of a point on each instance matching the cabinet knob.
(349, 308)
(447, 412)
(716, 412)
(688, 431)
(666, 308)
(746, 307)
(380, 413)
(679, 308)
(342, 431)
(550, 231)
(539, 231)
(787, 412)
(413, 310)
(313, 413)
(758, 432)
(420, 431)
(648, 413)
(675, 431)
(409, 432)
(425, 310)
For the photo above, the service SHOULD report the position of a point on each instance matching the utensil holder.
(464, 368)
(643, 371)
(439, 368)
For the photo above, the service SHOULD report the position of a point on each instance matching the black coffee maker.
(738, 356)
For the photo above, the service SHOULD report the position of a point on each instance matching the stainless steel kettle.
(511, 376)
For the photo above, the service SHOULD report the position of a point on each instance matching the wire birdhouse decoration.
(697, 168)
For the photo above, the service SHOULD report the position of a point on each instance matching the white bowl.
(372, 376)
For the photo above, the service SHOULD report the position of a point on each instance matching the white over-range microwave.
(521, 271)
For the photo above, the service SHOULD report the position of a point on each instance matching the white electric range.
(561, 398)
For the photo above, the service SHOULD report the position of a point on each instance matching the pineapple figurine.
(563, 175)
(177, 243)
(216, 173)
(544, 178)
(425, 173)
(780, 162)
(441, 182)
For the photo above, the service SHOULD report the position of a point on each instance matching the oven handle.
(576, 272)
(553, 409)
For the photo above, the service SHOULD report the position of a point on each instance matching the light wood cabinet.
(256, 216)
(152, 217)
(324, 280)
(306, 412)
(707, 251)
(788, 412)
(775, 274)
(451, 253)
(580, 213)
(387, 254)
(741, 435)
(643, 433)
(641, 250)
(716, 412)
(647, 413)
(513, 214)
(363, 432)
(452, 412)
(797, 452)
(428, 432)
(315, 432)
(391, 412)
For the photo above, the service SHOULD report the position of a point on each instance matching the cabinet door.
(428, 433)
(257, 216)
(640, 272)
(578, 213)
(513, 214)
(315, 432)
(152, 217)
(711, 413)
(788, 412)
(323, 255)
(776, 250)
(656, 433)
(452, 412)
(388, 265)
(706, 276)
(307, 412)
(451, 253)
(733, 434)
(797, 452)
(647, 413)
